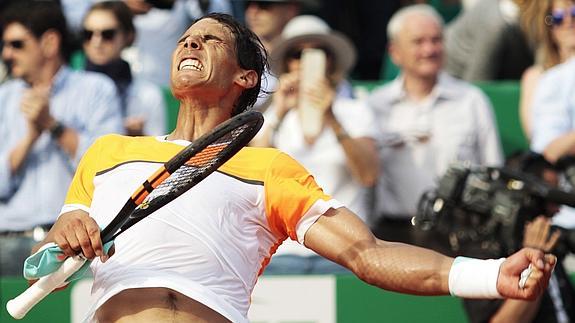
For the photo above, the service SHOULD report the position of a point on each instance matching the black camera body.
(487, 207)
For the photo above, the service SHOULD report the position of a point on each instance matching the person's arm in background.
(35, 107)
(341, 236)
(528, 83)
(360, 151)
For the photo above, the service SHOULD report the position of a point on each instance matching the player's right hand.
(511, 269)
(76, 232)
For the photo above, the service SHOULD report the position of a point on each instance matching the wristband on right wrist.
(474, 278)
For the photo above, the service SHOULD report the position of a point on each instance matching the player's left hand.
(511, 269)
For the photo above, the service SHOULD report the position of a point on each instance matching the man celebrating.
(198, 258)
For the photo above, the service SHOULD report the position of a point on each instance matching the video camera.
(487, 207)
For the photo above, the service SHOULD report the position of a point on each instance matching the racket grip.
(19, 306)
(524, 276)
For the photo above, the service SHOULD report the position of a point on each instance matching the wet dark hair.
(39, 17)
(121, 12)
(250, 53)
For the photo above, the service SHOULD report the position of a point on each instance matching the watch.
(57, 130)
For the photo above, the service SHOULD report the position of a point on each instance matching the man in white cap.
(342, 155)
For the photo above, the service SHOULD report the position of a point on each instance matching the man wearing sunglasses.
(50, 115)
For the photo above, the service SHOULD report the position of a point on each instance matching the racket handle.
(19, 306)
(524, 276)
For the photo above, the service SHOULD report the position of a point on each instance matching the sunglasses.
(14, 44)
(295, 53)
(557, 16)
(106, 34)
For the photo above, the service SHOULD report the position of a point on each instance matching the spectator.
(107, 30)
(50, 115)
(485, 43)
(343, 157)
(557, 304)
(267, 19)
(428, 120)
(159, 24)
(550, 25)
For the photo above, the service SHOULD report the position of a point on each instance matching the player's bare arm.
(342, 237)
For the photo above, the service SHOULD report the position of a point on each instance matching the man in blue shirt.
(50, 115)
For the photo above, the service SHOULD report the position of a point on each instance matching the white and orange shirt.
(212, 242)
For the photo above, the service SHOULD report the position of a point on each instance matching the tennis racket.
(172, 179)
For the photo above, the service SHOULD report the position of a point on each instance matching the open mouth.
(190, 64)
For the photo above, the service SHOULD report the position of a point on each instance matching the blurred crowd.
(73, 70)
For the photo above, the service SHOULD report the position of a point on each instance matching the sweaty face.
(22, 52)
(103, 39)
(204, 58)
(418, 47)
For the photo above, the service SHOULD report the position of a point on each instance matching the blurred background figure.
(107, 30)
(3, 72)
(486, 43)
(428, 120)
(550, 25)
(553, 117)
(343, 156)
(267, 19)
(50, 115)
(159, 25)
(361, 21)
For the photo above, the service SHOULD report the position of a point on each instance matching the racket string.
(185, 175)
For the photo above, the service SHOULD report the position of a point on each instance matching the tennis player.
(198, 258)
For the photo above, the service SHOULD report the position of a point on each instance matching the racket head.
(186, 169)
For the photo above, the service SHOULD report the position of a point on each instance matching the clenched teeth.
(190, 64)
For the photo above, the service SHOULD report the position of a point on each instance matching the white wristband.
(474, 278)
